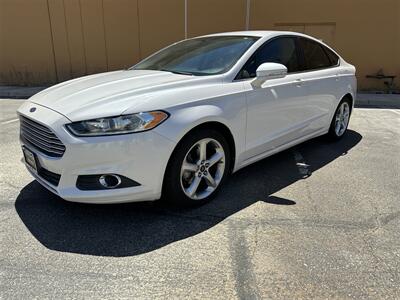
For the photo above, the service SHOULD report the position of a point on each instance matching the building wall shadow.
(136, 228)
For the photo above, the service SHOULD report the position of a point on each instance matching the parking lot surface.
(321, 220)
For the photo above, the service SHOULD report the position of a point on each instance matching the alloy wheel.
(202, 169)
(342, 118)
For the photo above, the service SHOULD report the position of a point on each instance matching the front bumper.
(141, 157)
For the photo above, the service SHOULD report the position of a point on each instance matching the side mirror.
(269, 71)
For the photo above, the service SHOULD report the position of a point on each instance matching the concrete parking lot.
(321, 220)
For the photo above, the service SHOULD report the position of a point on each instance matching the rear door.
(321, 76)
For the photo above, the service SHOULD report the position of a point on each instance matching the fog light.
(104, 182)
(110, 181)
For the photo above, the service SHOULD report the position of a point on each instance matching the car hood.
(108, 94)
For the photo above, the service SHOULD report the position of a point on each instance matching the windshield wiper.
(177, 72)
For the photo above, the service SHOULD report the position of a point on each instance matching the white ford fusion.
(180, 121)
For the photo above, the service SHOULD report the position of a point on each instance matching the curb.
(378, 101)
(18, 92)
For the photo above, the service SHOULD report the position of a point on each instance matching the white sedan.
(180, 121)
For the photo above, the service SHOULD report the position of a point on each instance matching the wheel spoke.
(215, 158)
(337, 127)
(191, 190)
(203, 150)
(189, 167)
(341, 109)
(210, 180)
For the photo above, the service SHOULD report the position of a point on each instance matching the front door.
(277, 112)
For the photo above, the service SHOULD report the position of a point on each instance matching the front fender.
(184, 119)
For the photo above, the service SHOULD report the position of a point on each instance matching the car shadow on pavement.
(136, 228)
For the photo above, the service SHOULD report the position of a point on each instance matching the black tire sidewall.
(172, 190)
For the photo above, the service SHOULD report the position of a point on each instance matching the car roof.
(257, 33)
(268, 34)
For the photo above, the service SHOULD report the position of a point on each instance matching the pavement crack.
(255, 241)
(378, 260)
(383, 219)
(242, 262)
(203, 217)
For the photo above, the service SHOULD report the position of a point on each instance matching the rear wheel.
(340, 120)
(197, 168)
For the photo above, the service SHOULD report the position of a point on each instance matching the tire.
(344, 119)
(181, 180)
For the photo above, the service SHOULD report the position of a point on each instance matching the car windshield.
(199, 56)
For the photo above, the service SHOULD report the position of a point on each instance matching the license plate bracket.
(30, 159)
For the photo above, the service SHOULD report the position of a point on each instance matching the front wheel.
(340, 120)
(197, 168)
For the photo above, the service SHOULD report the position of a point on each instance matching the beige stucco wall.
(26, 53)
(47, 41)
(366, 32)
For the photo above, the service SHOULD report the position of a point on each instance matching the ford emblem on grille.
(32, 109)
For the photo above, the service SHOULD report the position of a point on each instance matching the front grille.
(49, 176)
(40, 137)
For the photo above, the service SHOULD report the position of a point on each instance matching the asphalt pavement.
(321, 220)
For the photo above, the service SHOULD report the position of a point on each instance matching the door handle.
(337, 77)
(299, 82)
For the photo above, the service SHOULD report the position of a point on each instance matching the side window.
(280, 50)
(314, 55)
(332, 57)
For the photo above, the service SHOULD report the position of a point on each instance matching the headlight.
(118, 125)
